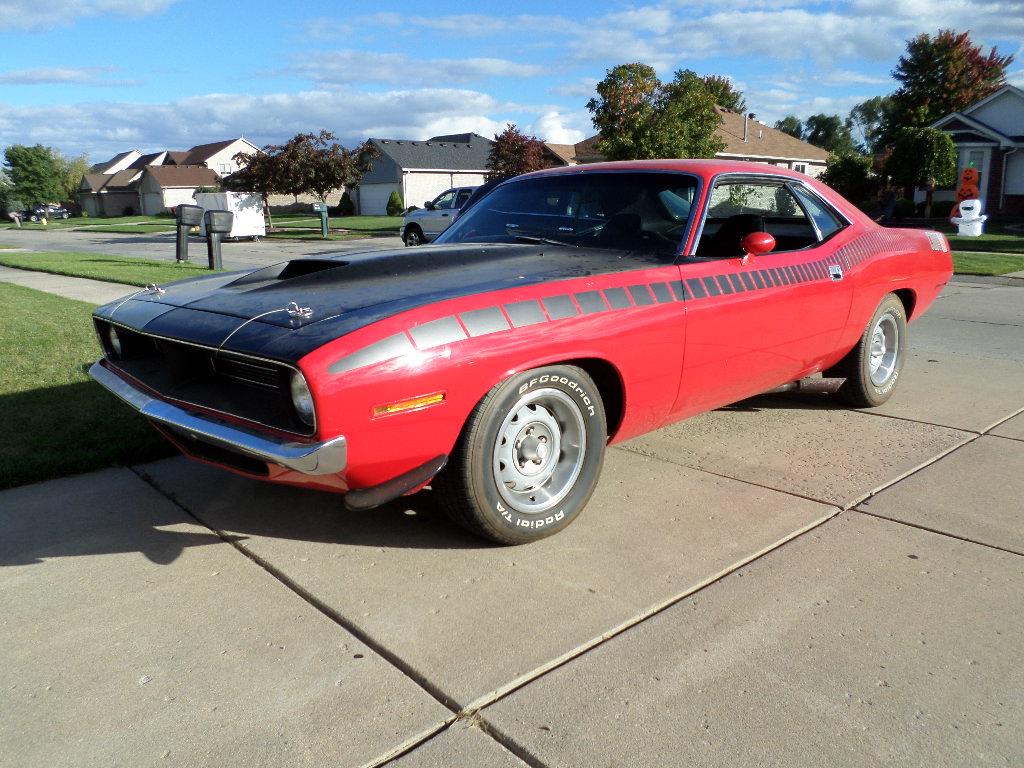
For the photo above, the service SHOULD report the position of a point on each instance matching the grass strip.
(972, 263)
(101, 266)
(56, 420)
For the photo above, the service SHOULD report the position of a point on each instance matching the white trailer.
(247, 207)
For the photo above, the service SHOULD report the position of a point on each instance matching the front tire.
(413, 236)
(873, 367)
(528, 458)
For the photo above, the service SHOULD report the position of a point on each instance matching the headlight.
(302, 398)
(115, 340)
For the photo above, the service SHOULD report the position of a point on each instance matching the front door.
(756, 322)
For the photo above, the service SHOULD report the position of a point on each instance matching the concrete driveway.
(781, 582)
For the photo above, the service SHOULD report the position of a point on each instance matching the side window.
(444, 202)
(824, 219)
(736, 209)
(462, 197)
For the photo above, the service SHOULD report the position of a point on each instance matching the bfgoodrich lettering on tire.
(529, 456)
(873, 367)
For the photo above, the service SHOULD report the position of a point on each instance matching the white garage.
(421, 170)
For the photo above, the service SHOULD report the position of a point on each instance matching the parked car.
(426, 223)
(48, 211)
(568, 309)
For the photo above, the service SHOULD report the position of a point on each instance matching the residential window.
(225, 168)
(800, 167)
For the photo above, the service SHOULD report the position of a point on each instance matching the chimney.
(746, 117)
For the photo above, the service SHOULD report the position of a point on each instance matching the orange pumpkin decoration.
(970, 176)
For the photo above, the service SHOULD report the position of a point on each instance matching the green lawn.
(100, 266)
(388, 224)
(965, 263)
(84, 221)
(998, 238)
(56, 420)
(310, 234)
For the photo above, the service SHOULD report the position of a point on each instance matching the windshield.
(644, 213)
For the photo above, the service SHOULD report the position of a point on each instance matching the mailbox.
(219, 222)
(321, 208)
(190, 215)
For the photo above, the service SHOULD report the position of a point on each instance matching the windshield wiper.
(544, 240)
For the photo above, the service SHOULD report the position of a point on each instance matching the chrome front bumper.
(325, 458)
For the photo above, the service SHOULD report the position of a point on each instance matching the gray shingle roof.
(448, 155)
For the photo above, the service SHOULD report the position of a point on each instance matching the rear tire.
(413, 236)
(873, 367)
(528, 458)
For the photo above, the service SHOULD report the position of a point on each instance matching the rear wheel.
(873, 367)
(528, 458)
(413, 235)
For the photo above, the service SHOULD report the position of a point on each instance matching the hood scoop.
(289, 270)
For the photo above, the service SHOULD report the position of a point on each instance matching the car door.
(437, 220)
(755, 322)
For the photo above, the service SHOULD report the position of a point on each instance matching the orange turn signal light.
(411, 404)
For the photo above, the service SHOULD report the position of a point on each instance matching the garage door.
(373, 198)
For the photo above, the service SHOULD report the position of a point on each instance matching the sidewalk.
(80, 288)
(780, 582)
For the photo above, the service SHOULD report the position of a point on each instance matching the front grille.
(249, 388)
(254, 372)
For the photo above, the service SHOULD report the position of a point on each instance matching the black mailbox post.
(218, 224)
(188, 216)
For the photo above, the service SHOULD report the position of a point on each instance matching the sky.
(102, 76)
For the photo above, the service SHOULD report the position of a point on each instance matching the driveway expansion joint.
(938, 532)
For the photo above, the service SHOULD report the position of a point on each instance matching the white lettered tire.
(528, 458)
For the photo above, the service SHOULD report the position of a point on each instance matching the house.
(744, 137)
(989, 136)
(420, 170)
(163, 187)
(219, 156)
(131, 183)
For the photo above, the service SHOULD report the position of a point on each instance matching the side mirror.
(755, 244)
(429, 205)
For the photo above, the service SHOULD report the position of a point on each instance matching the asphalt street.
(782, 582)
(160, 245)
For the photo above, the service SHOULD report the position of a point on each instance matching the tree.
(724, 93)
(791, 124)
(850, 175)
(258, 172)
(345, 206)
(514, 153)
(395, 204)
(73, 170)
(316, 163)
(829, 132)
(872, 121)
(942, 74)
(36, 174)
(639, 117)
(922, 157)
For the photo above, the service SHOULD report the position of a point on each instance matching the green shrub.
(905, 208)
(940, 209)
(850, 176)
(346, 207)
(395, 204)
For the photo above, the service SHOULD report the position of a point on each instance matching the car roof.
(704, 168)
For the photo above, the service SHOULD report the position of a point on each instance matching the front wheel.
(873, 367)
(528, 458)
(413, 236)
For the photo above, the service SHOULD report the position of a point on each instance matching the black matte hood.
(346, 292)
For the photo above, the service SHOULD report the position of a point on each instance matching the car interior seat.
(726, 241)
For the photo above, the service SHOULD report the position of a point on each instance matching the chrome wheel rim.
(884, 352)
(412, 238)
(539, 451)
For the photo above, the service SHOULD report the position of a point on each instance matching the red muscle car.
(568, 309)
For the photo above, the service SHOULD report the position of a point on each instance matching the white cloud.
(559, 128)
(849, 77)
(63, 76)
(344, 67)
(102, 129)
(30, 14)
